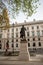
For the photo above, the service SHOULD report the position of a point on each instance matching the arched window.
(33, 39)
(28, 39)
(39, 43)
(28, 44)
(33, 33)
(39, 39)
(16, 44)
(37, 27)
(32, 27)
(0, 46)
(34, 44)
(27, 33)
(0, 41)
(16, 29)
(12, 40)
(16, 40)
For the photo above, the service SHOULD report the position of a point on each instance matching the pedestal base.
(23, 56)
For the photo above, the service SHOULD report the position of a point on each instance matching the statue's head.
(23, 26)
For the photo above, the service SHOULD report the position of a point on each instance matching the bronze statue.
(22, 32)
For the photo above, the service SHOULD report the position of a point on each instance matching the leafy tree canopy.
(26, 6)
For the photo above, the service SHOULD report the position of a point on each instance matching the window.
(38, 38)
(33, 39)
(16, 34)
(32, 33)
(16, 45)
(27, 33)
(32, 27)
(16, 40)
(8, 30)
(42, 32)
(12, 40)
(28, 39)
(8, 35)
(0, 41)
(38, 33)
(12, 45)
(28, 44)
(12, 35)
(37, 27)
(16, 29)
(34, 44)
(0, 46)
(39, 43)
(12, 29)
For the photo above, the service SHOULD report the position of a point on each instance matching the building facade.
(34, 36)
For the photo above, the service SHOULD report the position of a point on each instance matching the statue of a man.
(22, 32)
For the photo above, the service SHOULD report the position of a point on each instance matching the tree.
(5, 15)
(26, 6)
(4, 19)
(1, 18)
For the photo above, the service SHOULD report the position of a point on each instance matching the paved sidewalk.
(8, 58)
(20, 63)
(16, 58)
(13, 60)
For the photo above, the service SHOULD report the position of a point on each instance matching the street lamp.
(13, 39)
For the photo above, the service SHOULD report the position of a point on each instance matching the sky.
(37, 16)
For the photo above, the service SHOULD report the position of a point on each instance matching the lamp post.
(13, 39)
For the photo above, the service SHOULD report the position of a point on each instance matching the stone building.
(34, 36)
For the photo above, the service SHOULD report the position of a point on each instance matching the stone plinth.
(23, 56)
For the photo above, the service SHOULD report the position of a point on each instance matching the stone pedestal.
(23, 56)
